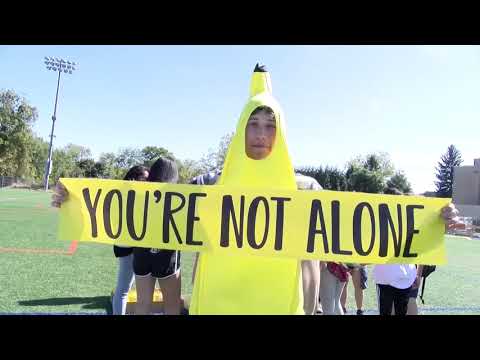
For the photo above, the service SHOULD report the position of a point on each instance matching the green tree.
(369, 173)
(377, 162)
(66, 161)
(108, 161)
(128, 157)
(187, 170)
(39, 154)
(330, 178)
(62, 166)
(91, 169)
(152, 153)
(17, 117)
(400, 182)
(444, 174)
(361, 179)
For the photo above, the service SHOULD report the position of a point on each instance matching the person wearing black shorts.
(152, 265)
(157, 263)
(123, 254)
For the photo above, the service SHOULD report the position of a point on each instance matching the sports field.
(39, 274)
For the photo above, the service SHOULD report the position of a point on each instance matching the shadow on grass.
(95, 302)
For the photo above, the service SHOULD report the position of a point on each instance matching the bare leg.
(311, 285)
(171, 289)
(340, 286)
(343, 297)
(357, 284)
(145, 286)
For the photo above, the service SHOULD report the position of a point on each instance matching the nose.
(262, 133)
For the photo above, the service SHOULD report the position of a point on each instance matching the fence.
(16, 181)
(7, 181)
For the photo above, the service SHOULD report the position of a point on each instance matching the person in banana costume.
(257, 157)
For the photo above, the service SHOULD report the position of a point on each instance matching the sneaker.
(360, 312)
(344, 310)
(319, 308)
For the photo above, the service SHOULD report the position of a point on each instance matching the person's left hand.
(449, 215)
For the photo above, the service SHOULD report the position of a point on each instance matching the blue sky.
(339, 101)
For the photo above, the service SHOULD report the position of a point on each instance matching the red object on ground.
(71, 250)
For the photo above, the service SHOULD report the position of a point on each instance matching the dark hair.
(266, 109)
(163, 170)
(135, 172)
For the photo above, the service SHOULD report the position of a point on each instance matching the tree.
(214, 159)
(369, 173)
(444, 174)
(39, 154)
(151, 153)
(17, 117)
(70, 161)
(361, 179)
(329, 178)
(377, 162)
(128, 157)
(91, 169)
(187, 170)
(108, 162)
(62, 166)
(400, 182)
(99, 170)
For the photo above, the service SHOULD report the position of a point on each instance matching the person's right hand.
(60, 195)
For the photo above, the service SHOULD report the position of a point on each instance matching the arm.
(449, 215)
(418, 279)
(60, 195)
(311, 285)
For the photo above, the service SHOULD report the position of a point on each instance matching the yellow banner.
(327, 225)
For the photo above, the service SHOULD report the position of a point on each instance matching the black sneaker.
(360, 312)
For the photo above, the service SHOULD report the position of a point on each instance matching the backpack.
(427, 270)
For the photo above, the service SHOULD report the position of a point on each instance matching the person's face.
(260, 135)
(143, 177)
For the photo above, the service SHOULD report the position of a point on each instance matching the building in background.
(466, 191)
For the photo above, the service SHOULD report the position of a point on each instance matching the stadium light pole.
(55, 64)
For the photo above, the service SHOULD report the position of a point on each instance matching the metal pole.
(50, 150)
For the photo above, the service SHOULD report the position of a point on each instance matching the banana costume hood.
(251, 284)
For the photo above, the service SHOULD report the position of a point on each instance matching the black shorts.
(122, 251)
(158, 263)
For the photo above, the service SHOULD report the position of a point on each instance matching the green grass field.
(82, 283)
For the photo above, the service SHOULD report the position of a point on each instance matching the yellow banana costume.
(251, 284)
